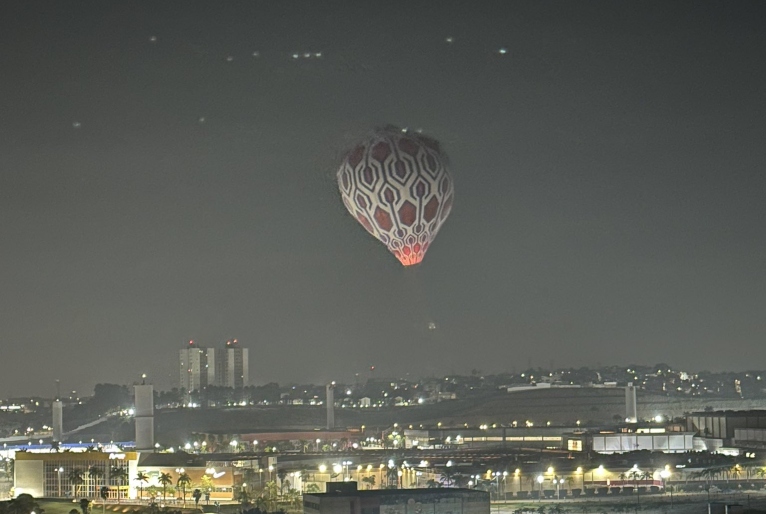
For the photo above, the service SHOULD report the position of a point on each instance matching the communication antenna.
(58, 389)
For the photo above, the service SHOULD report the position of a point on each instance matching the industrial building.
(622, 442)
(345, 497)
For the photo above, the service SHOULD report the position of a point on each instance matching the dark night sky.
(609, 176)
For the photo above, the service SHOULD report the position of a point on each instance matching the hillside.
(559, 406)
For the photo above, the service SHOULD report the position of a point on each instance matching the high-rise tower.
(197, 368)
(237, 369)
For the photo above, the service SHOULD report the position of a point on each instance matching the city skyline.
(170, 173)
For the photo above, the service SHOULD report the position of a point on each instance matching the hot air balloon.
(396, 184)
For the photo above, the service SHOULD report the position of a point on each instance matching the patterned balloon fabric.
(397, 185)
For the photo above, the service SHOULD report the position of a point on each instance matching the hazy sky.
(609, 175)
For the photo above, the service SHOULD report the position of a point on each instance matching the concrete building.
(66, 474)
(220, 475)
(197, 368)
(612, 442)
(723, 424)
(57, 426)
(223, 367)
(235, 369)
(344, 497)
(330, 401)
(551, 438)
(631, 405)
(144, 415)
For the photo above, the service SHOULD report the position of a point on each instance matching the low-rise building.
(71, 474)
(344, 497)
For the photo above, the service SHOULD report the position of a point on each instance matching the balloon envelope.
(397, 185)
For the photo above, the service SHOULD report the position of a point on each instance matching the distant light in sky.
(76, 124)
(318, 54)
(153, 39)
(503, 51)
(202, 119)
(256, 54)
(307, 55)
(449, 39)
(229, 58)
(295, 56)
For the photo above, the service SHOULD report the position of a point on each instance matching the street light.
(540, 480)
(665, 474)
(346, 464)
(59, 471)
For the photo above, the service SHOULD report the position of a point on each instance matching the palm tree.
(244, 497)
(75, 478)
(646, 476)
(165, 479)
(119, 475)
(95, 473)
(271, 491)
(142, 478)
(249, 477)
(183, 482)
(370, 481)
(448, 476)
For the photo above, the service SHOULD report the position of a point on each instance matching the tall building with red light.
(232, 365)
(224, 367)
(197, 367)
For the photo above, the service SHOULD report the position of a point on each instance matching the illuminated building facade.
(75, 475)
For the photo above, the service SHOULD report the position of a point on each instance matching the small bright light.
(550, 469)
(540, 479)
(503, 51)
(322, 468)
(658, 418)
(337, 468)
